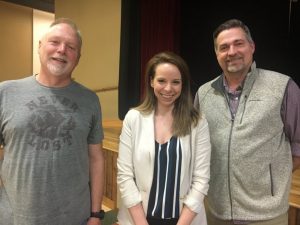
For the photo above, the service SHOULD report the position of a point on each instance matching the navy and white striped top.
(164, 194)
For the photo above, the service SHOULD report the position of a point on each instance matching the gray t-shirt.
(45, 171)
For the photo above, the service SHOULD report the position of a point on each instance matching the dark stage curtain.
(147, 27)
(130, 66)
(159, 29)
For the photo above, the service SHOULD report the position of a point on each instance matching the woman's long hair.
(184, 113)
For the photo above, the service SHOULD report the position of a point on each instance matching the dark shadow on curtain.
(129, 71)
(277, 47)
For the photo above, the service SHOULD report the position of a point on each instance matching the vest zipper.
(229, 147)
(271, 179)
(245, 102)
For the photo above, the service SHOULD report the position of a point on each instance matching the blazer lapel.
(149, 137)
(186, 157)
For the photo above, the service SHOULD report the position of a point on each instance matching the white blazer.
(136, 165)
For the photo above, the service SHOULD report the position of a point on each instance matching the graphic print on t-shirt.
(51, 122)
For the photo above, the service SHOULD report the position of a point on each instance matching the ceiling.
(44, 5)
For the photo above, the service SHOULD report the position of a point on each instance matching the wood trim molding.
(113, 88)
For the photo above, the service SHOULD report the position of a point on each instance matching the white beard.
(235, 68)
(56, 69)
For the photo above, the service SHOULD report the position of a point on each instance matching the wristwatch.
(100, 215)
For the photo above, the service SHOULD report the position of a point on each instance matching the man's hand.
(93, 221)
(296, 162)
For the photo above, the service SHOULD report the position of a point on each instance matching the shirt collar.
(239, 88)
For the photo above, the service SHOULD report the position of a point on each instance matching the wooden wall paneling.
(112, 130)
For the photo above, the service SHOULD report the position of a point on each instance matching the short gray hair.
(72, 25)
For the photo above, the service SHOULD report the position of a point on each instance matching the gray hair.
(72, 25)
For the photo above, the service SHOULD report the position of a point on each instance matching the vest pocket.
(271, 179)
